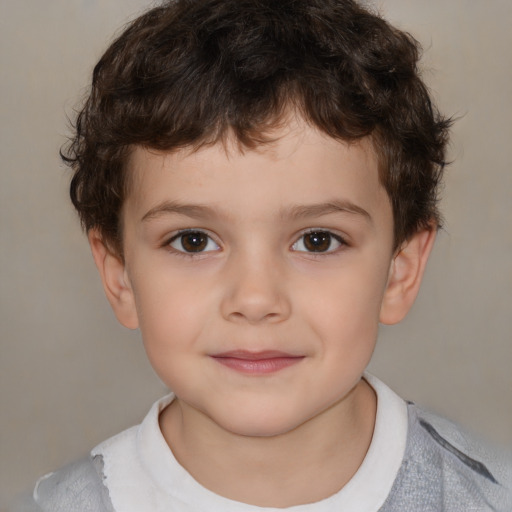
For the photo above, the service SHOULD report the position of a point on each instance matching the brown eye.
(193, 241)
(317, 241)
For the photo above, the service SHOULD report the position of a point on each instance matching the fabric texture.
(416, 462)
(77, 487)
(440, 473)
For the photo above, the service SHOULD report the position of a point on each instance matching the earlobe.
(406, 273)
(115, 280)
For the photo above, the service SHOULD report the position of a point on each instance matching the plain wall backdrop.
(71, 377)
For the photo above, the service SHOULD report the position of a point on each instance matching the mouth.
(257, 363)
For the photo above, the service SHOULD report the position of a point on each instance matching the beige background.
(70, 376)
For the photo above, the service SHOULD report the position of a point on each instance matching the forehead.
(300, 166)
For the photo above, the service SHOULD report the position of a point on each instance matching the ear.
(115, 280)
(405, 275)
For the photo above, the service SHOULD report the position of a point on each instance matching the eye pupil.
(318, 241)
(194, 241)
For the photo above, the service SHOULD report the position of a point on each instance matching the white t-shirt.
(142, 474)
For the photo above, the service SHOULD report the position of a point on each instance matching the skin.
(294, 435)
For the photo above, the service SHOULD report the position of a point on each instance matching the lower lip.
(258, 366)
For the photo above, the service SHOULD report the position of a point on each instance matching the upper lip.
(254, 356)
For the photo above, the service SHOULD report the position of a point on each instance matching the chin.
(265, 424)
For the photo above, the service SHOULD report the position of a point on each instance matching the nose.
(255, 291)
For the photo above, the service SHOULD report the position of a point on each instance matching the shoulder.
(446, 469)
(113, 477)
(77, 487)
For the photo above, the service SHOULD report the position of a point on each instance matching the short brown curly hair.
(189, 72)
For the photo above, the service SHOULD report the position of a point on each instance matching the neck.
(305, 465)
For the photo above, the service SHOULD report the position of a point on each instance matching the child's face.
(257, 279)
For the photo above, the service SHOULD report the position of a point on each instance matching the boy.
(258, 181)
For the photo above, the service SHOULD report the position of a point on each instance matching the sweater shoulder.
(77, 487)
(445, 468)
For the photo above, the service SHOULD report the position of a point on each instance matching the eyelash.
(319, 231)
(332, 237)
(191, 254)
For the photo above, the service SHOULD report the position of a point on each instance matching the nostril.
(236, 315)
(255, 317)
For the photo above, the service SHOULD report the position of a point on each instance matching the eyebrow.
(317, 210)
(196, 211)
(297, 212)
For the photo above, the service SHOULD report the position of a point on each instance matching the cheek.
(346, 305)
(170, 325)
(171, 313)
(355, 288)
